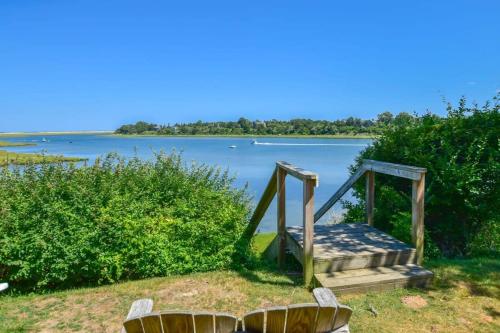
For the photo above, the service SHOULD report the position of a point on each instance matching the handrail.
(297, 172)
(263, 205)
(393, 169)
(276, 185)
(340, 192)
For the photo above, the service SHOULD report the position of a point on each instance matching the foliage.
(64, 226)
(462, 155)
(244, 126)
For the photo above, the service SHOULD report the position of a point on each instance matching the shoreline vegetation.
(15, 144)
(341, 128)
(14, 158)
(250, 136)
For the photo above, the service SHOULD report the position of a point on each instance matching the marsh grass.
(13, 158)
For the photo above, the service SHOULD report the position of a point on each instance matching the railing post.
(308, 229)
(417, 216)
(370, 196)
(281, 176)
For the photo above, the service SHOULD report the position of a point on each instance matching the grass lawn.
(464, 297)
(8, 157)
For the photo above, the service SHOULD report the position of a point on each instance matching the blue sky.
(83, 65)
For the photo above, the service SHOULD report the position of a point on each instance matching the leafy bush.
(462, 155)
(63, 226)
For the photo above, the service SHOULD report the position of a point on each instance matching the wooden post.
(281, 217)
(417, 216)
(308, 229)
(370, 196)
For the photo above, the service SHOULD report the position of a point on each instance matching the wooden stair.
(358, 258)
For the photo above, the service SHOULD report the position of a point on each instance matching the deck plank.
(348, 240)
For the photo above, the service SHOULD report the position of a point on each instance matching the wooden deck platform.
(357, 257)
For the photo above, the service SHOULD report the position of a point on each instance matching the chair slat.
(342, 317)
(133, 326)
(325, 297)
(177, 321)
(253, 322)
(325, 320)
(225, 323)
(276, 319)
(301, 318)
(152, 323)
(204, 322)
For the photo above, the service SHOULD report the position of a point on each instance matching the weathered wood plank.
(354, 262)
(253, 322)
(417, 216)
(281, 177)
(342, 318)
(298, 172)
(139, 308)
(152, 323)
(370, 196)
(399, 170)
(369, 277)
(325, 297)
(177, 321)
(308, 225)
(276, 318)
(132, 326)
(325, 320)
(225, 323)
(301, 318)
(263, 205)
(340, 192)
(295, 248)
(203, 323)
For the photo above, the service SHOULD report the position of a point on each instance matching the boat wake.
(310, 144)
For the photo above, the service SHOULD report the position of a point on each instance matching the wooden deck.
(358, 257)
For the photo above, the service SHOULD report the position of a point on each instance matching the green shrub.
(64, 226)
(462, 155)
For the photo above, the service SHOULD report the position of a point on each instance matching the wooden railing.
(276, 185)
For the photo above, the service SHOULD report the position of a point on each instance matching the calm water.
(252, 164)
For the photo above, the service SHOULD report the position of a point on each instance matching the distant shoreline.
(112, 133)
(293, 136)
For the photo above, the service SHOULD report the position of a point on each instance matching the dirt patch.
(414, 302)
(200, 295)
(486, 318)
(90, 313)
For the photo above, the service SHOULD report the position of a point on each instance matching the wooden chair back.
(182, 322)
(343, 315)
(297, 318)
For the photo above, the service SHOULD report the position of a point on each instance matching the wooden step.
(351, 246)
(374, 279)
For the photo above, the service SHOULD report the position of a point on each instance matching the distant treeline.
(351, 125)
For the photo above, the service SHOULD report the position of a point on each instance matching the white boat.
(4, 286)
(232, 146)
(44, 140)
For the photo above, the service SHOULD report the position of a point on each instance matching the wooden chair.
(326, 316)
